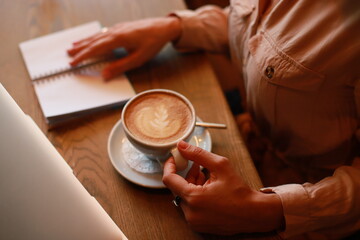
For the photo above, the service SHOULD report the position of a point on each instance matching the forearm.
(173, 24)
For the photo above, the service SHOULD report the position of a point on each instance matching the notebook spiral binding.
(57, 74)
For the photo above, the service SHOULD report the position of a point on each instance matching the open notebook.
(65, 93)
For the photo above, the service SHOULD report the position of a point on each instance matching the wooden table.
(141, 213)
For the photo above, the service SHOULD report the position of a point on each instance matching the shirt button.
(269, 71)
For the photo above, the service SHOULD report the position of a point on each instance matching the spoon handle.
(210, 125)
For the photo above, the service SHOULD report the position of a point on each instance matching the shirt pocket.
(279, 68)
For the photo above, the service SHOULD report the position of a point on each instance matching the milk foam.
(154, 121)
(158, 117)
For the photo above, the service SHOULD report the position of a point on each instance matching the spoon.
(210, 125)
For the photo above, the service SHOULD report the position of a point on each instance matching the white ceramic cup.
(160, 151)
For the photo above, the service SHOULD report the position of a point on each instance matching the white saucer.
(201, 138)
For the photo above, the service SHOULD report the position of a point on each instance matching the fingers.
(211, 161)
(193, 174)
(134, 60)
(96, 49)
(100, 48)
(113, 69)
(84, 43)
(173, 181)
(82, 55)
(97, 46)
(196, 177)
(90, 39)
(124, 64)
(201, 178)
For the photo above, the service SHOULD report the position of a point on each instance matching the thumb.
(122, 65)
(211, 161)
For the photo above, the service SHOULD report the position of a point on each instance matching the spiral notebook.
(66, 93)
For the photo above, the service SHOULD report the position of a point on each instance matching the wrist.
(175, 27)
(269, 207)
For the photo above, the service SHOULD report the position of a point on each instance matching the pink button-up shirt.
(300, 63)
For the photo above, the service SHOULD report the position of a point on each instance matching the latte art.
(158, 118)
(155, 122)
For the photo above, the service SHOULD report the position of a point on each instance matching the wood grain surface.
(140, 212)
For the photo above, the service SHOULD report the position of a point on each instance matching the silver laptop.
(40, 198)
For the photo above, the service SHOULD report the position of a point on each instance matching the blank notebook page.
(46, 55)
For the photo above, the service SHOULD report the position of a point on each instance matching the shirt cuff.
(296, 207)
(187, 18)
(203, 29)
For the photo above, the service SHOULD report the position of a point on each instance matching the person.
(299, 61)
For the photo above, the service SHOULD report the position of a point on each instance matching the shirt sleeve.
(330, 207)
(203, 29)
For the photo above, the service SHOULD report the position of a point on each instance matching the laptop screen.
(40, 196)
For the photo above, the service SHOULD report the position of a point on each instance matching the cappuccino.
(158, 117)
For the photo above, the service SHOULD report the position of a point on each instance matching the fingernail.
(182, 145)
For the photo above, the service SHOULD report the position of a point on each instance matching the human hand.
(221, 203)
(142, 39)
